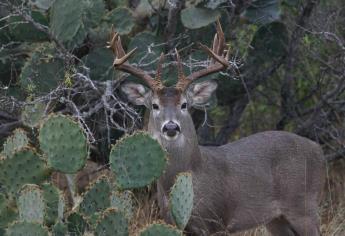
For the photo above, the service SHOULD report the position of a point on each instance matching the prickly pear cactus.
(17, 140)
(137, 160)
(31, 204)
(27, 229)
(123, 201)
(64, 143)
(181, 199)
(97, 198)
(76, 224)
(112, 223)
(59, 229)
(160, 229)
(54, 203)
(8, 212)
(32, 114)
(24, 167)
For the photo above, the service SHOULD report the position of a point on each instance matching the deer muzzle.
(171, 129)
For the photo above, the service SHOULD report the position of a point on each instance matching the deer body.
(273, 178)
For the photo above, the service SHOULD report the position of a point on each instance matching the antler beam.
(219, 60)
(121, 63)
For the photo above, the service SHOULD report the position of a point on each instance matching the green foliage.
(100, 63)
(8, 212)
(41, 4)
(59, 229)
(112, 223)
(27, 31)
(122, 20)
(148, 50)
(97, 198)
(181, 199)
(43, 71)
(32, 63)
(263, 11)
(137, 160)
(76, 224)
(194, 18)
(16, 141)
(123, 201)
(33, 113)
(27, 229)
(160, 229)
(24, 167)
(269, 43)
(54, 203)
(71, 20)
(213, 4)
(31, 204)
(64, 143)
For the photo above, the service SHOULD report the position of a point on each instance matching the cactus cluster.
(30, 204)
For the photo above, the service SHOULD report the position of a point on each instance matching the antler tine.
(219, 60)
(160, 67)
(158, 79)
(121, 62)
(221, 39)
(182, 82)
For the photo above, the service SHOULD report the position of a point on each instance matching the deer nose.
(171, 129)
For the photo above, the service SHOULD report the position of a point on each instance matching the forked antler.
(121, 63)
(219, 60)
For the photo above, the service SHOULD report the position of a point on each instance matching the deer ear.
(136, 93)
(200, 93)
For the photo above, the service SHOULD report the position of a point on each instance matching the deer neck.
(183, 153)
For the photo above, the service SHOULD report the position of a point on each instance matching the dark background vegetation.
(287, 56)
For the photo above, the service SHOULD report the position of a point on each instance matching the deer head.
(169, 116)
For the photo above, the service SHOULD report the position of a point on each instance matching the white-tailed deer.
(271, 178)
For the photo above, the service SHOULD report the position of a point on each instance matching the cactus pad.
(137, 160)
(97, 198)
(123, 201)
(160, 229)
(16, 141)
(54, 203)
(26, 229)
(24, 167)
(7, 211)
(32, 114)
(31, 204)
(59, 229)
(76, 224)
(112, 223)
(64, 143)
(181, 199)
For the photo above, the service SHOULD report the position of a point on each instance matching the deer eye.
(155, 106)
(184, 105)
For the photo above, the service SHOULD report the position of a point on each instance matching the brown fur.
(272, 178)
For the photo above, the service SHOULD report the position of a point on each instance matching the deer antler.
(121, 63)
(219, 60)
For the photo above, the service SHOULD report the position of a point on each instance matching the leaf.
(66, 21)
(262, 11)
(149, 48)
(43, 71)
(22, 31)
(122, 19)
(194, 18)
(41, 4)
(100, 63)
(72, 20)
(268, 44)
(213, 4)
